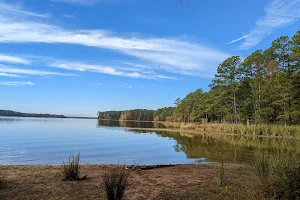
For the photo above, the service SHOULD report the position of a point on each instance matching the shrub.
(287, 187)
(115, 182)
(71, 170)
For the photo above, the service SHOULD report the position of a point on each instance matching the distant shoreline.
(11, 113)
(51, 117)
(129, 120)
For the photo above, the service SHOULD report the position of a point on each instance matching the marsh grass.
(115, 183)
(280, 174)
(220, 174)
(275, 164)
(239, 129)
(71, 170)
(262, 166)
(287, 187)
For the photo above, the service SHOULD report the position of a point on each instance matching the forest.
(264, 88)
(9, 113)
(137, 114)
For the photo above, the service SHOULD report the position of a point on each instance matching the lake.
(35, 141)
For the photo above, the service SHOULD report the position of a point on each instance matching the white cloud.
(11, 70)
(76, 66)
(13, 59)
(9, 9)
(169, 54)
(278, 13)
(9, 75)
(15, 83)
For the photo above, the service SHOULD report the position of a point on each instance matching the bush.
(71, 170)
(115, 183)
(287, 187)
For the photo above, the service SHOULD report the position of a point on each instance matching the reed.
(71, 170)
(292, 131)
(115, 183)
(220, 174)
(262, 166)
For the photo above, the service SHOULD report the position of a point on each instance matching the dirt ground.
(177, 182)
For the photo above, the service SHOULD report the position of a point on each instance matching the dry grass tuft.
(2, 182)
(71, 170)
(115, 182)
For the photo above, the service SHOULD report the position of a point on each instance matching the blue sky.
(76, 57)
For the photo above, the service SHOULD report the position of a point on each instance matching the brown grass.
(115, 182)
(265, 130)
(178, 182)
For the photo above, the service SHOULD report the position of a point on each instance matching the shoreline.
(197, 132)
(175, 182)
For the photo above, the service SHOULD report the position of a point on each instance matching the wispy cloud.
(15, 83)
(9, 75)
(9, 9)
(278, 13)
(13, 59)
(91, 2)
(11, 70)
(82, 67)
(81, 2)
(169, 54)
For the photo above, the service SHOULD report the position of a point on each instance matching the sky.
(77, 57)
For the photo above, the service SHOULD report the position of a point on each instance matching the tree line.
(137, 114)
(9, 113)
(262, 88)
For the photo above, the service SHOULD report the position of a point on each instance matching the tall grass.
(240, 129)
(287, 187)
(71, 170)
(115, 182)
(220, 174)
(262, 166)
(275, 164)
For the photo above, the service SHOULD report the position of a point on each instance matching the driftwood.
(147, 167)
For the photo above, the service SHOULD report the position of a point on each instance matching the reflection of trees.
(133, 124)
(228, 148)
(216, 147)
(108, 123)
(201, 146)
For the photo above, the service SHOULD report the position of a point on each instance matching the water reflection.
(132, 124)
(233, 149)
(50, 141)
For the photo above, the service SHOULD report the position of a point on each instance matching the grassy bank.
(240, 129)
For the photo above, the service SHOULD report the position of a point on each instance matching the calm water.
(50, 141)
